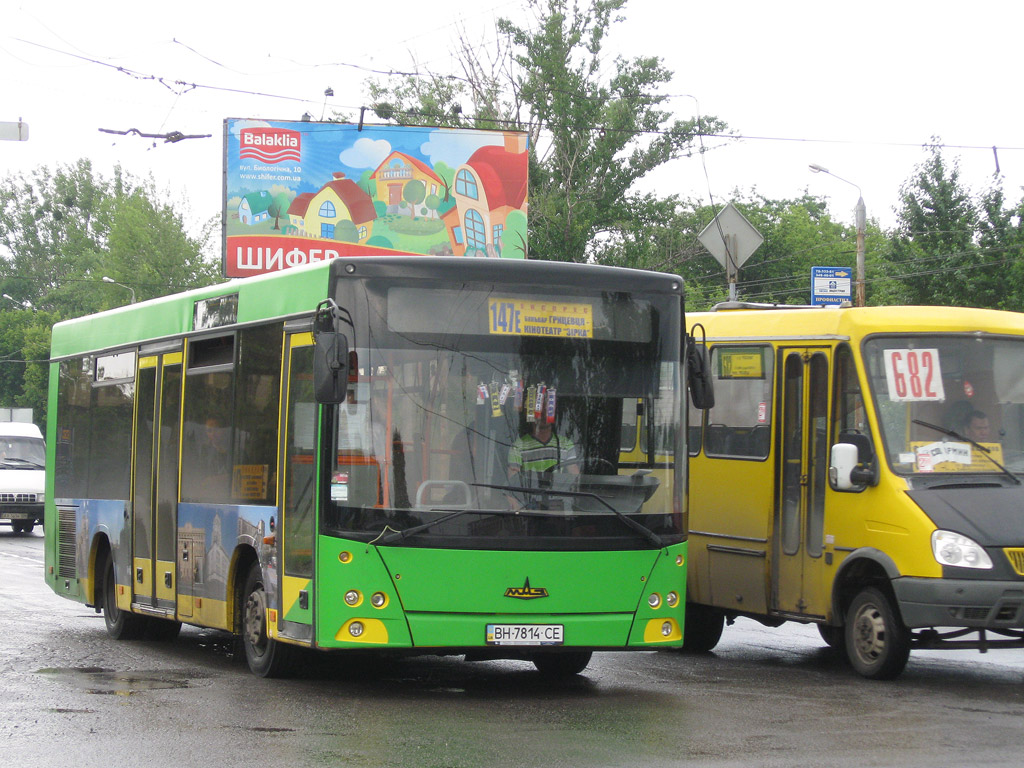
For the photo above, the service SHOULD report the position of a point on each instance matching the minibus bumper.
(960, 603)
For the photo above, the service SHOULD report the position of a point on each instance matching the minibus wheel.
(562, 664)
(702, 628)
(877, 643)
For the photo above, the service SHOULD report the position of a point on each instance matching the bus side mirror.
(330, 367)
(698, 365)
(849, 469)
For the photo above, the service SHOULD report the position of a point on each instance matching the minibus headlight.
(953, 549)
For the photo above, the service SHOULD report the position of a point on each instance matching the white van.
(22, 470)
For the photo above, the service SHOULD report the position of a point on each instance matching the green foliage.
(596, 127)
(934, 257)
(61, 232)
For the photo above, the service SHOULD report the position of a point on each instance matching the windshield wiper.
(405, 533)
(18, 462)
(956, 435)
(643, 530)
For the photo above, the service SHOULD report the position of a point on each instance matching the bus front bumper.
(960, 603)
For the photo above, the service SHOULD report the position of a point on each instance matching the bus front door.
(298, 491)
(798, 587)
(155, 483)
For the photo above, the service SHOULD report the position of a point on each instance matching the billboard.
(300, 192)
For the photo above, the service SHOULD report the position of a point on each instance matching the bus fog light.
(666, 628)
(353, 598)
(654, 600)
(355, 628)
(378, 600)
(672, 599)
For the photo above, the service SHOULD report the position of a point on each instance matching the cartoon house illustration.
(340, 210)
(489, 186)
(254, 208)
(297, 213)
(395, 173)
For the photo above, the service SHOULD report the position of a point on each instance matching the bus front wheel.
(266, 657)
(877, 643)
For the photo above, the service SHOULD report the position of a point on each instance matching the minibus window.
(739, 426)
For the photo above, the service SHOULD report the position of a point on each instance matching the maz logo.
(526, 592)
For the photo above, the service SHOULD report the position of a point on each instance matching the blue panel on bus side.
(213, 533)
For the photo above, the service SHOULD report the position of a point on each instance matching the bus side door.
(798, 531)
(298, 473)
(155, 484)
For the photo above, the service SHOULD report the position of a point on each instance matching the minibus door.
(155, 485)
(296, 530)
(798, 576)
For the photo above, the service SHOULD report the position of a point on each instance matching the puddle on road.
(103, 681)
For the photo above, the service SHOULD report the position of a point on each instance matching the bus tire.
(266, 657)
(121, 625)
(562, 664)
(877, 643)
(162, 630)
(702, 628)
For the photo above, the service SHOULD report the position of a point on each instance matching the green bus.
(332, 458)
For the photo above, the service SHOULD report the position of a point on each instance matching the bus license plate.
(524, 634)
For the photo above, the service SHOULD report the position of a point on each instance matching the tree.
(61, 232)
(933, 257)
(592, 135)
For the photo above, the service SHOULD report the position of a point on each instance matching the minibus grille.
(66, 538)
(1016, 558)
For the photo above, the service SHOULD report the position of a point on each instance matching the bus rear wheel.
(562, 664)
(266, 657)
(121, 624)
(877, 643)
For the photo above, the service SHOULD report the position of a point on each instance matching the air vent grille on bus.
(1016, 558)
(66, 541)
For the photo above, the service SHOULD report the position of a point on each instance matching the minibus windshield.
(949, 403)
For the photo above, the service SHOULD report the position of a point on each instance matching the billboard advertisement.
(300, 192)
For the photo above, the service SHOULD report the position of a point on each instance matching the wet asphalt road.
(771, 697)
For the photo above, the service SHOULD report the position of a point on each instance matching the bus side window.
(739, 424)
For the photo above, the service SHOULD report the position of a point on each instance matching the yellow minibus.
(861, 470)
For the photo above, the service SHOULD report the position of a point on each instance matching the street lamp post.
(26, 304)
(106, 279)
(861, 215)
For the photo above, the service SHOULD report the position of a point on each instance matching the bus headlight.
(953, 549)
(654, 600)
(672, 599)
(353, 597)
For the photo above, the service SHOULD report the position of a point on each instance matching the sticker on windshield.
(913, 375)
(946, 456)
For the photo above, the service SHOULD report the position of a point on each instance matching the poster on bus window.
(302, 192)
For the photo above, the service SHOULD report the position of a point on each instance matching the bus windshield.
(949, 403)
(503, 436)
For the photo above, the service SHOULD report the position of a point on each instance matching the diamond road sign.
(831, 285)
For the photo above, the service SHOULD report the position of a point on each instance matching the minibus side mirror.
(850, 467)
(330, 367)
(699, 380)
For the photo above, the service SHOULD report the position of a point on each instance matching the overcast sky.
(855, 87)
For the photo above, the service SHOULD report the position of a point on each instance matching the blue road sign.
(831, 285)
